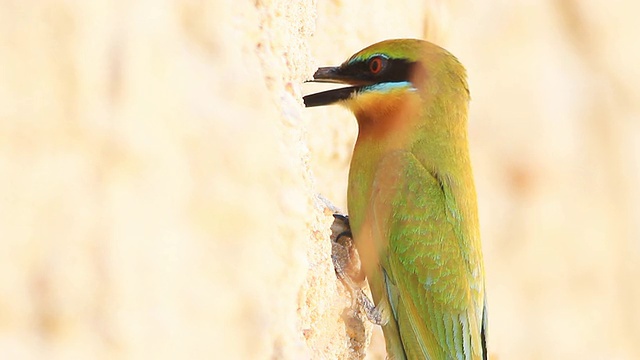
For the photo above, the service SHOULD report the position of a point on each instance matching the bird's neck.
(434, 133)
(434, 130)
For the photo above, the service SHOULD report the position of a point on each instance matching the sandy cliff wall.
(158, 175)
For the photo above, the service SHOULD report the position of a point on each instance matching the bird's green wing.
(431, 266)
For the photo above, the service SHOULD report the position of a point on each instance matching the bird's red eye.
(376, 64)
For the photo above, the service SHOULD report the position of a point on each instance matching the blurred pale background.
(158, 175)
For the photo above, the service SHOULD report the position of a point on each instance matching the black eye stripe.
(399, 70)
(394, 70)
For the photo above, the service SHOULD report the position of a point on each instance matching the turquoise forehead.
(408, 49)
(358, 57)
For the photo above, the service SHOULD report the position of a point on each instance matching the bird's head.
(391, 78)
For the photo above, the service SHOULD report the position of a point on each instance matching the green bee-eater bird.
(411, 196)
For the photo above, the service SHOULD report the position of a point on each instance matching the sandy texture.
(159, 175)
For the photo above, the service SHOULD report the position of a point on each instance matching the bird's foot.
(342, 250)
(347, 265)
(376, 314)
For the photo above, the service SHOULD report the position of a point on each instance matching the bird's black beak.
(336, 75)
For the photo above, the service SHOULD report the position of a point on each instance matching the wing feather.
(435, 280)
